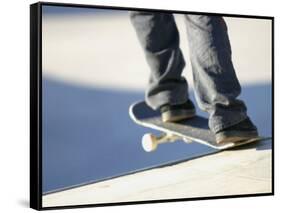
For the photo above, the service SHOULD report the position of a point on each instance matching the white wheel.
(149, 142)
(187, 140)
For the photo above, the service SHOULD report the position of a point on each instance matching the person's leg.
(159, 38)
(215, 81)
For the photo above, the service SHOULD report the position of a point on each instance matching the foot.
(239, 132)
(174, 113)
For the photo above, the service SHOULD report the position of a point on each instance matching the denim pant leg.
(215, 81)
(159, 38)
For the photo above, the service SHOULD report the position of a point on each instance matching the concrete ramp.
(244, 170)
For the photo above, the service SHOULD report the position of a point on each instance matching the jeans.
(215, 82)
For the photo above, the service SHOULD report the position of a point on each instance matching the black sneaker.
(239, 132)
(174, 113)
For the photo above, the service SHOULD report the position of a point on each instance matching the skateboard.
(191, 130)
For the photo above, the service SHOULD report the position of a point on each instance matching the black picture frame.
(36, 104)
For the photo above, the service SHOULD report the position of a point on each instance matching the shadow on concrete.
(264, 144)
(88, 135)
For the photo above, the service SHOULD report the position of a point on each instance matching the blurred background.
(94, 69)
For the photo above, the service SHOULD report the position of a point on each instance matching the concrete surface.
(245, 170)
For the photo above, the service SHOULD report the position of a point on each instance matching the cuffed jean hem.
(216, 126)
(165, 97)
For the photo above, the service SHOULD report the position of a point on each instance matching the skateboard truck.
(150, 141)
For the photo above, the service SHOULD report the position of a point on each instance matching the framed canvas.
(117, 92)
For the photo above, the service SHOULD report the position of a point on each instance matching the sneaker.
(174, 113)
(239, 132)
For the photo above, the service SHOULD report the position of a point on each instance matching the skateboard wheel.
(187, 140)
(149, 142)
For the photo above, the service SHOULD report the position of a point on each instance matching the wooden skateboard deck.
(192, 130)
